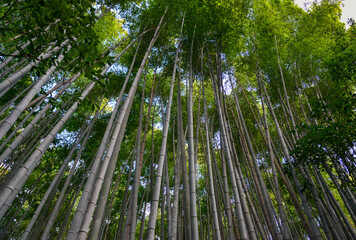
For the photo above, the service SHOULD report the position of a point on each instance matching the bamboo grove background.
(180, 119)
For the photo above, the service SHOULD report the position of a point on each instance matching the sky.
(348, 8)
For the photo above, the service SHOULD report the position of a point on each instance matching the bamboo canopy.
(163, 119)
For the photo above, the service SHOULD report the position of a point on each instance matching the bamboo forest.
(177, 119)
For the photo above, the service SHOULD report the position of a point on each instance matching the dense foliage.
(176, 119)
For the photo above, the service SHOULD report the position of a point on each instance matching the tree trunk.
(14, 186)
